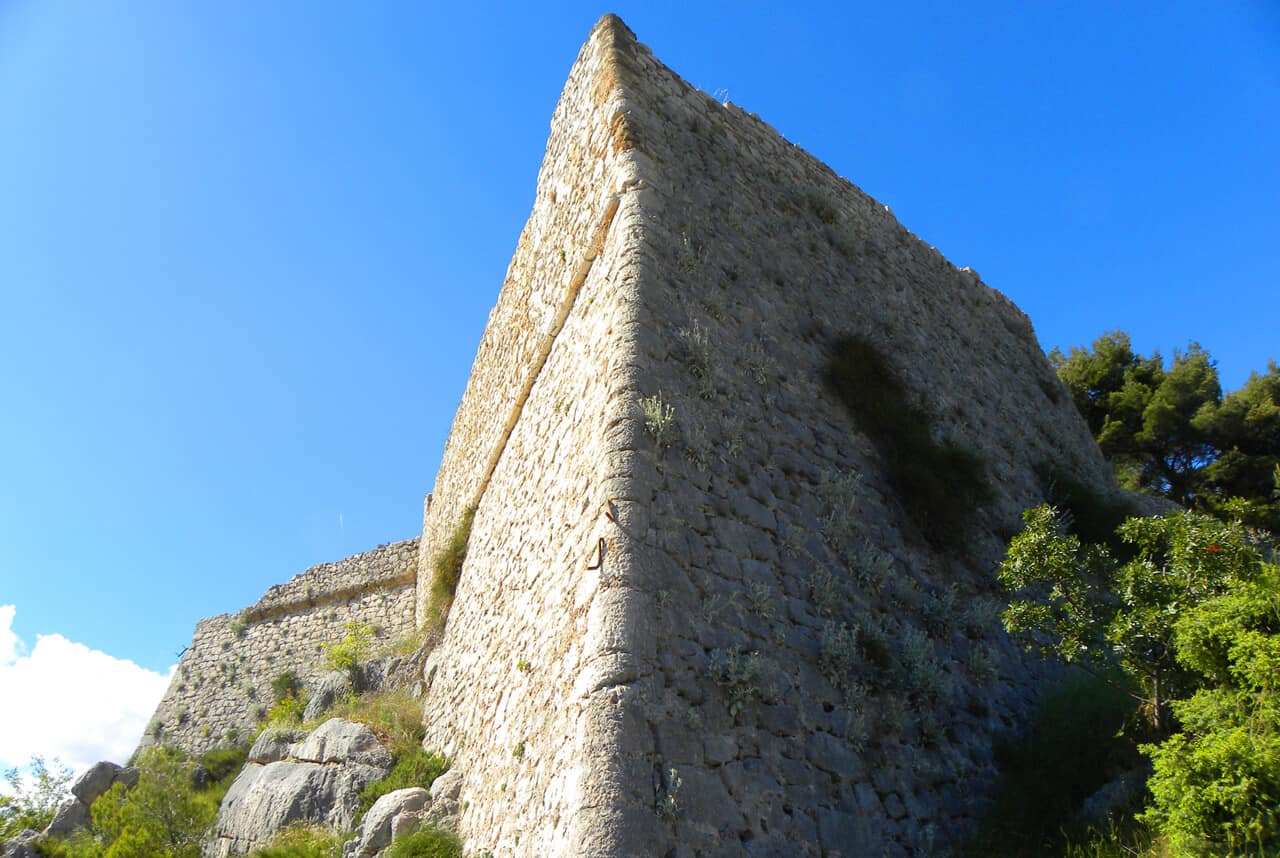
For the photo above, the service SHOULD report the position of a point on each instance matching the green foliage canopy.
(164, 816)
(33, 798)
(1170, 430)
(1193, 622)
(1219, 780)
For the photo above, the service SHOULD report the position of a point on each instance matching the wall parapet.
(383, 568)
(222, 690)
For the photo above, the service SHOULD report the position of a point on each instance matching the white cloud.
(67, 701)
(10, 646)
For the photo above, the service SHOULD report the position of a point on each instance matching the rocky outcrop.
(388, 814)
(404, 811)
(318, 780)
(22, 845)
(73, 813)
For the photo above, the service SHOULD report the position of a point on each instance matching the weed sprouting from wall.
(666, 798)
(446, 568)
(741, 675)
(659, 420)
(939, 485)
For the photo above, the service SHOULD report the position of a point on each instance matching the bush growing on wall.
(446, 569)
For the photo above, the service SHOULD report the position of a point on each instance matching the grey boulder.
(94, 782)
(72, 814)
(320, 782)
(331, 688)
(340, 741)
(379, 824)
(21, 845)
(273, 744)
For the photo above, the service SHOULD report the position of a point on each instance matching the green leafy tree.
(32, 797)
(163, 816)
(1170, 430)
(1076, 602)
(1193, 624)
(1218, 781)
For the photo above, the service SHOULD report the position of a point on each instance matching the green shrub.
(30, 802)
(285, 684)
(939, 485)
(426, 843)
(395, 718)
(1071, 750)
(288, 711)
(446, 569)
(1216, 785)
(302, 841)
(347, 654)
(163, 816)
(418, 768)
(223, 764)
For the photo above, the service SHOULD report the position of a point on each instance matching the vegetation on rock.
(345, 655)
(166, 815)
(446, 569)
(303, 841)
(426, 843)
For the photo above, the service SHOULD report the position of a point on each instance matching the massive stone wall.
(727, 635)
(222, 686)
(824, 678)
(520, 687)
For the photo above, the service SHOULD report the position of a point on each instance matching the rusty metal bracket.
(600, 550)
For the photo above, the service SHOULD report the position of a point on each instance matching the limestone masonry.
(696, 617)
(222, 686)
(713, 629)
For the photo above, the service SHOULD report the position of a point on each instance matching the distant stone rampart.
(222, 686)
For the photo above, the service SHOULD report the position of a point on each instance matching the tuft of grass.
(940, 485)
(426, 842)
(446, 569)
(302, 841)
(395, 718)
(1130, 840)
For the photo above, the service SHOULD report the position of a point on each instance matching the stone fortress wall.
(712, 628)
(726, 636)
(522, 688)
(222, 686)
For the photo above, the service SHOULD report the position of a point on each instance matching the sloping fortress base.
(703, 610)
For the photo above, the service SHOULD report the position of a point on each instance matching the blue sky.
(247, 249)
